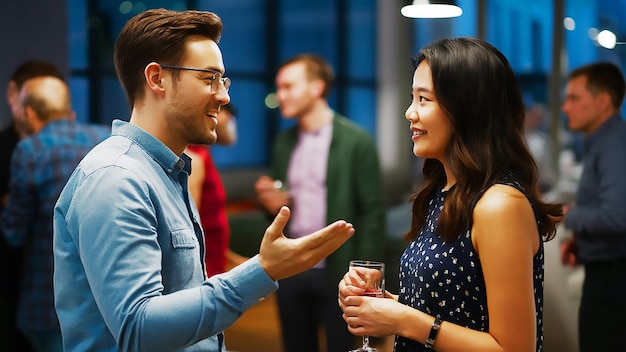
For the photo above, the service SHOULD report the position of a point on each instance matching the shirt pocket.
(184, 239)
(181, 264)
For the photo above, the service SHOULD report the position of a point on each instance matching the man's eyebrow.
(215, 68)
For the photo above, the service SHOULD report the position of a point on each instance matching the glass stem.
(366, 341)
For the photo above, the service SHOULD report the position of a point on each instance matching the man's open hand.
(282, 257)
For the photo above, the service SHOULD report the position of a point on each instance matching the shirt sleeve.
(117, 241)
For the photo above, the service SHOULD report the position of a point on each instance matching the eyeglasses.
(217, 79)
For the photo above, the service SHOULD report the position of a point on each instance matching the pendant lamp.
(431, 9)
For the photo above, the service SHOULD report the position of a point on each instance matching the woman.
(471, 277)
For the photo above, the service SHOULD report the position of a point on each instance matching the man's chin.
(211, 141)
(207, 140)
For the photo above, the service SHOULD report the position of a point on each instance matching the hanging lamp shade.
(431, 9)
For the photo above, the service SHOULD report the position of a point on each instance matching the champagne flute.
(373, 273)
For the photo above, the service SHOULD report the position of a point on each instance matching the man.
(330, 169)
(15, 131)
(11, 258)
(40, 166)
(594, 95)
(128, 243)
(207, 190)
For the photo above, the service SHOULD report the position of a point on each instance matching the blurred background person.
(207, 191)
(593, 98)
(41, 164)
(11, 258)
(540, 146)
(329, 169)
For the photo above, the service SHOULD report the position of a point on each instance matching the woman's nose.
(411, 114)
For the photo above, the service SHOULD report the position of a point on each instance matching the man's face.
(294, 90)
(192, 109)
(583, 109)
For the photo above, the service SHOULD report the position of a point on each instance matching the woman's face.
(431, 128)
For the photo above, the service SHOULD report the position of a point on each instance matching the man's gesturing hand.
(282, 257)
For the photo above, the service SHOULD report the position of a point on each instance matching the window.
(257, 37)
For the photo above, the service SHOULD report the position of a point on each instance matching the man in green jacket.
(326, 167)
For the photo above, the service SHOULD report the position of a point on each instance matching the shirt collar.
(324, 131)
(164, 156)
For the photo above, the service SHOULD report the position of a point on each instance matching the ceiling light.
(607, 39)
(431, 9)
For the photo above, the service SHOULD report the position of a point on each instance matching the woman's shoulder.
(501, 199)
(504, 209)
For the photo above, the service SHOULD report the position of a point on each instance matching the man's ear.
(12, 92)
(32, 121)
(153, 74)
(604, 99)
(317, 87)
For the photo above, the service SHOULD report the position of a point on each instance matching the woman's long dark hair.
(477, 89)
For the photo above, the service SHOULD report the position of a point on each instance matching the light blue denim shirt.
(128, 252)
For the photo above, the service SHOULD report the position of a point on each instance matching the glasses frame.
(217, 76)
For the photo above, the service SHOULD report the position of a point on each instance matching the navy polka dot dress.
(445, 279)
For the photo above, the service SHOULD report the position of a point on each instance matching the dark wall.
(31, 29)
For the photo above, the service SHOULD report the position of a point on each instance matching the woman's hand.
(351, 285)
(372, 316)
(367, 315)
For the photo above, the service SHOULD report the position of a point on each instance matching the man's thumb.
(277, 226)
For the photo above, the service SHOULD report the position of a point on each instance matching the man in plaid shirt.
(40, 167)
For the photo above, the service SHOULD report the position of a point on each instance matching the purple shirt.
(306, 178)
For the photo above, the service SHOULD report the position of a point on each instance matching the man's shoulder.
(612, 134)
(63, 129)
(346, 125)
(349, 131)
(110, 152)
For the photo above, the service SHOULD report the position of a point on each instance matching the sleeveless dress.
(446, 280)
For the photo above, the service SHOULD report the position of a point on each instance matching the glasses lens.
(220, 81)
